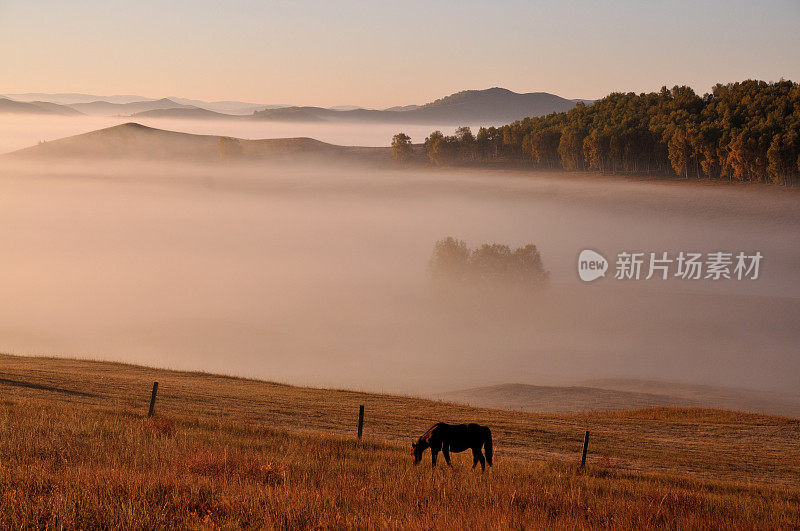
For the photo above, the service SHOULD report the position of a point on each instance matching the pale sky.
(390, 53)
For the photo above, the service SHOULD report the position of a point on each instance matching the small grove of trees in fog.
(490, 264)
(402, 149)
(748, 131)
(229, 148)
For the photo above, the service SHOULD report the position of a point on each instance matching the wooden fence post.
(153, 399)
(360, 420)
(585, 448)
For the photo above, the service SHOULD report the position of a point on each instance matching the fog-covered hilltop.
(136, 141)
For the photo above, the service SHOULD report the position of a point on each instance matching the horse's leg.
(446, 453)
(475, 457)
(482, 460)
(434, 453)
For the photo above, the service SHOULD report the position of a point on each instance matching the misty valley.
(413, 266)
(321, 275)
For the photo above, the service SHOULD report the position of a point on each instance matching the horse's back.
(473, 428)
(471, 431)
(442, 430)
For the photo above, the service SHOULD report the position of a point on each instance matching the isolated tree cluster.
(489, 265)
(748, 131)
(402, 149)
(229, 148)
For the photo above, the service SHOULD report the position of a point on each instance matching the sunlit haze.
(375, 54)
(259, 259)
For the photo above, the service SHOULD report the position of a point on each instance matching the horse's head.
(416, 450)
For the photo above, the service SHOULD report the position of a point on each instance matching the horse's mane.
(428, 433)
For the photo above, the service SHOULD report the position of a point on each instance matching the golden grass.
(76, 450)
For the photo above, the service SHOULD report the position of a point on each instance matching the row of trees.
(747, 131)
(492, 265)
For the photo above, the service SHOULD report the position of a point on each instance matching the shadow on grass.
(42, 387)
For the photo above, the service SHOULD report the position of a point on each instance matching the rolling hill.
(621, 394)
(78, 451)
(470, 107)
(135, 141)
(104, 108)
(189, 113)
(8, 106)
(228, 106)
(493, 104)
(708, 395)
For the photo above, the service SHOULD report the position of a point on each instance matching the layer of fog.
(21, 131)
(318, 275)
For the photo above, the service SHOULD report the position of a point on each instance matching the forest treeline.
(748, 131)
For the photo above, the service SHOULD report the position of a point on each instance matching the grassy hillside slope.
(76, 449)
(559, 399)
(136, 141)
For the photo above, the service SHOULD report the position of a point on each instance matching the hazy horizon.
(381, 55)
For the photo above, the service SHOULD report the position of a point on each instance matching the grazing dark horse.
(455, 438)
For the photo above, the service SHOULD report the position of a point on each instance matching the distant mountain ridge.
(469, 107)
(105, 108)
(35, 107)
(72, 98)
(493, 96)
(69, 98)
(493, 106)
(228, 107)
(183, 112)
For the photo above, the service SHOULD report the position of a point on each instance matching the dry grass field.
(78, 451)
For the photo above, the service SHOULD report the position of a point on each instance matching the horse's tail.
(488, 446)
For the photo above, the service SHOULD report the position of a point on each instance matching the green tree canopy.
(402, 148)
(748, 131)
